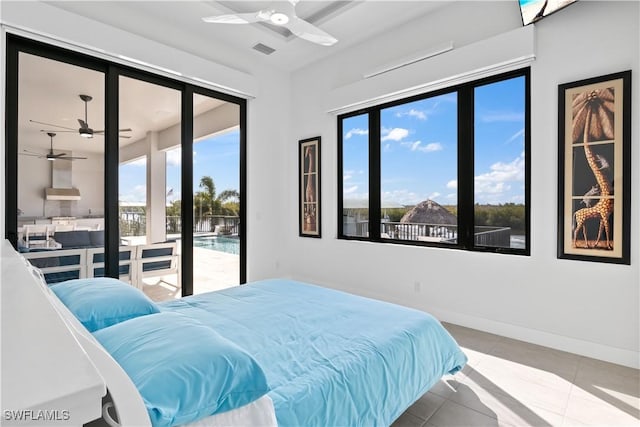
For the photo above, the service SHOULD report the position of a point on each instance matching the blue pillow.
(101, 301)
(183, 369)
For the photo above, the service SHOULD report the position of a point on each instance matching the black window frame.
(465, 173)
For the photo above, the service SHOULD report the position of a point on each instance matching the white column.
(156, 190)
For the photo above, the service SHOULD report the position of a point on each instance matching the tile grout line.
(573, 382)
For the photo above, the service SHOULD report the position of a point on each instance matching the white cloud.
(395, 134)
(453, 184)
(452, 196)
(417, 146)
(414, 145)
(350, 190)
(174, 157)
(497, 182)
(502, 116)
(418, 114)
(429, 148)
(434, 195)
(136, 194)
(515, 136)
(142, 161)
(356, 131)
(400, 197)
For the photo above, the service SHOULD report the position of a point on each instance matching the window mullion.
(465, 167)
(374, 175)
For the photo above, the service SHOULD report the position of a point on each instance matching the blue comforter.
(330, 358)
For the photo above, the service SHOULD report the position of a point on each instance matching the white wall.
(88, 178)
(34, 175)
(587, 308)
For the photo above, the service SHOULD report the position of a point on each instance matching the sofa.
(79, 239)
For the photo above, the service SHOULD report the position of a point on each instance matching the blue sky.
(216, 156)
(419, 149)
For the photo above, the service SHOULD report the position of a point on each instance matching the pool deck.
(212, 271)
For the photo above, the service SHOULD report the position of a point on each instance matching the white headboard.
(50, 361)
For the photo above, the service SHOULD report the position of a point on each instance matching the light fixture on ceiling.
(279, 18)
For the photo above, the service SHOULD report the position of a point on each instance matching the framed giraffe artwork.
(309, 187)
(594, 169)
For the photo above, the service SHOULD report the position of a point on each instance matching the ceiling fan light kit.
(278, 18)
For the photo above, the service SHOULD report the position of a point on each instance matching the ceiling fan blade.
(31, 154)
(59, 131)
(83, 124)
(119, 130)
(310, 32)
(71, 158)
(101, 133)
(239, 18)
(56, 156)
(49, 124)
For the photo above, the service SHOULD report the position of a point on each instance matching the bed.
(308, 355)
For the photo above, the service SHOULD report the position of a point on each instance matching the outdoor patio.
(212, 271)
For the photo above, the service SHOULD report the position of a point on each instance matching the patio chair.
(126, 264)
(157, 260)
(37, 235)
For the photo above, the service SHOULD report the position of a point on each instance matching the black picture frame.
(309, 187)
(594, 169)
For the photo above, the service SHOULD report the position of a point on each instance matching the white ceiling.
(52, 97)
(179, 24)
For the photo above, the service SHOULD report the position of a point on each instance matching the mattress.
(330, 358)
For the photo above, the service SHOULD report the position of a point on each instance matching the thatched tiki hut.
(428, 221)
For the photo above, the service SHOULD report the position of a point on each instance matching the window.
(355, 176)
(446, 169)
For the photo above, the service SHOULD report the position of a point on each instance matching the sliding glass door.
(60, 167)
(149, 118)
(155, 162)
(216, 197)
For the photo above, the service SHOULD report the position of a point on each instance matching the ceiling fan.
(85, 131)
(51, 155)
(282, 14)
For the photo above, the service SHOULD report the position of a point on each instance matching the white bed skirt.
(259, 413)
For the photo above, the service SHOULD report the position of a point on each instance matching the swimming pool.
(230, 245)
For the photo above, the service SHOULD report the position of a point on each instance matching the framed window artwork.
(594, 163)
(309, 187)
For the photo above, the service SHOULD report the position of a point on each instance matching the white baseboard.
(572, 345)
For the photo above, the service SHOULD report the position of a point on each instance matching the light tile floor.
(513, 383)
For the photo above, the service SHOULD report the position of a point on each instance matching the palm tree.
(212, 203)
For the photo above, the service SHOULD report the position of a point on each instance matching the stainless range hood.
(61, 188)
(62, 194)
